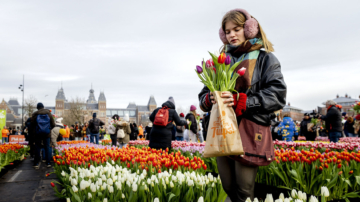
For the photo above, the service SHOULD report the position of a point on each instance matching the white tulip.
(103, 177)
(118, 185)
(171, 184)
(248, 199)
(190, 183)
(279, 200)
(201, 199)
(105, 200)
(89, 196)
(134, 187)
(269, 198)
(300, 195)
(256, 199)
(298, 200)
(282, 197)
(325, 191)
(75, 189)
(63, 173)
(93, 187)
(213, 185)
(68, 200)
(100, 181)
(286, 200)
(110, 182)
(122, 196)
(83, 185)
(149, 181)
(73, 182)
(111, 189)
(293, 193)
(170, 171)
(313, 199)
(156, 199)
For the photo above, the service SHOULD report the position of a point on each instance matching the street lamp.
(21, 87)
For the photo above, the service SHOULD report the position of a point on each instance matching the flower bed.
(71, 142)
(321, 146)
(350, 139)
(136, 174)
(10, 153)
(309, 170)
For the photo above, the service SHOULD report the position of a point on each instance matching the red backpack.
(162, 117)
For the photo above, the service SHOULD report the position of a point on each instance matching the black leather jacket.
(266, 95)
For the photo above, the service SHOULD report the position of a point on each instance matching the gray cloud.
(132, 50)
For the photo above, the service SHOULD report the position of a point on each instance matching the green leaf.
(171, 196)
(77, 198)
(357, 179)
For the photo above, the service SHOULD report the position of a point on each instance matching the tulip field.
(11, 152)
(89, 172)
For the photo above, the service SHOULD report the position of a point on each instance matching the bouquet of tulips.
(217, 74)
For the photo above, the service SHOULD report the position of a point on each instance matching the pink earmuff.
(251, 27)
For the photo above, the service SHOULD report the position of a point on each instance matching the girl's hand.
(229, 101)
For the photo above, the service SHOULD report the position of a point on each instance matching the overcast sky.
(134, 49)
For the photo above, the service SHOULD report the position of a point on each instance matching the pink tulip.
(241, 71)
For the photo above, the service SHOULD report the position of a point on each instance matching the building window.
(120, 113)
(126, 112)
(108, 113)
(132, 113)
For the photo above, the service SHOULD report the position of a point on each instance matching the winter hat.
(306, 114)
(192, 108)
(182, 115)
(343, 114)
(126, 117)
(251, 26)
(58, 121)
(40, 106)
(171, 99)
(330, 102)
(94, 115)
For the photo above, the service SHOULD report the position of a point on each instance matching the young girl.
(262, 91)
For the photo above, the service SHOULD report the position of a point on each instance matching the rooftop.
(152, 101)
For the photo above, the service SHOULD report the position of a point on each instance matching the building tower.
(102, 106)
(152, 104)
(60, 102)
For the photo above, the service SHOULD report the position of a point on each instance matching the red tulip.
(241, 71)
(221, 58)
(214, 70)
(351, 172)
(52, 184)
(209, 63)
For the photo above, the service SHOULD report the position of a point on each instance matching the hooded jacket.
(127, 130)
(287, 129)
(266, 95)
(160, 136)
(34, 122)
(55, 134)
(333, 120)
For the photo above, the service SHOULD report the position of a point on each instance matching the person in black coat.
(148, 130)
(310, 135)
(135, 132)
(160, 136)
(333, 124)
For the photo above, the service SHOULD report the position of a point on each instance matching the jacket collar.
(256, 75)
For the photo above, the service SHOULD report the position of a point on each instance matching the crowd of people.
(336, 125)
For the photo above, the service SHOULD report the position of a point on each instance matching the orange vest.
(4, 132)
(141, 131)
(67, 135)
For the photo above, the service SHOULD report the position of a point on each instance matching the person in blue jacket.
(287, 129)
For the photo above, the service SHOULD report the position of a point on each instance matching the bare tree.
(30, 105)
(180, 109)
(75, 112)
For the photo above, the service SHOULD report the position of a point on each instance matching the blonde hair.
(194, 113)
(350, 119)
(239, 19)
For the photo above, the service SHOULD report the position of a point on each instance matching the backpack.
(94, 128)
(180, 129)
(162, 117)
(120, 133)
(43, 125)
